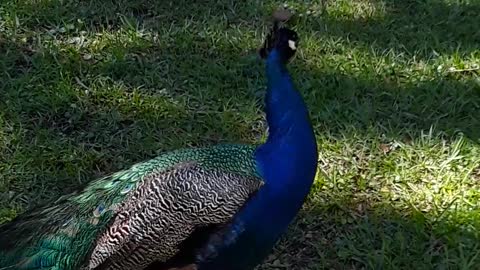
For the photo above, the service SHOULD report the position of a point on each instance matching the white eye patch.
(291, 44)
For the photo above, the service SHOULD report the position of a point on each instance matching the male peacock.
(214, 208)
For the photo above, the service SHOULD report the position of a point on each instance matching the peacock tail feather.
(64, 234)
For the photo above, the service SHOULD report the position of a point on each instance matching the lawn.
(393, 88)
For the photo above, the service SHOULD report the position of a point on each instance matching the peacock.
(221, 207)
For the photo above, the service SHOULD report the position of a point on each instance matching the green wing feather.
(60, 235)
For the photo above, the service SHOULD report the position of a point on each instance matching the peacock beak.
(292, 45)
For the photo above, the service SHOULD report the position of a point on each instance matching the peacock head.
(280, 38)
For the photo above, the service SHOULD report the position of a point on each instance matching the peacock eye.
(127, 188)
(99, 210)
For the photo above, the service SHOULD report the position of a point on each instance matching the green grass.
(90, 87)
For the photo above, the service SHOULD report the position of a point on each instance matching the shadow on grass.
(424, 29)
(339, 102)
(152, 14)
(71, 118)
(412, 27)
(69, 123)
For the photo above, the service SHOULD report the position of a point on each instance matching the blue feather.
(287, 162)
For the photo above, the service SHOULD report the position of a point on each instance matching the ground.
(393, 88)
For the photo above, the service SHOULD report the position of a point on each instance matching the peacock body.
(220, 207)
(186, 182)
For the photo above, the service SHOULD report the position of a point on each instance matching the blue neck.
(291, 138)
(287, 163)
(288, 159)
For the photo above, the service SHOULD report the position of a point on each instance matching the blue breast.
(287, 162)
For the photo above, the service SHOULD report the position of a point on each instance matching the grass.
(393, 87)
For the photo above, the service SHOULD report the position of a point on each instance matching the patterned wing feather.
(164, 210)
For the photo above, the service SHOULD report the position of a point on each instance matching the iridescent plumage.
(177, 191)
